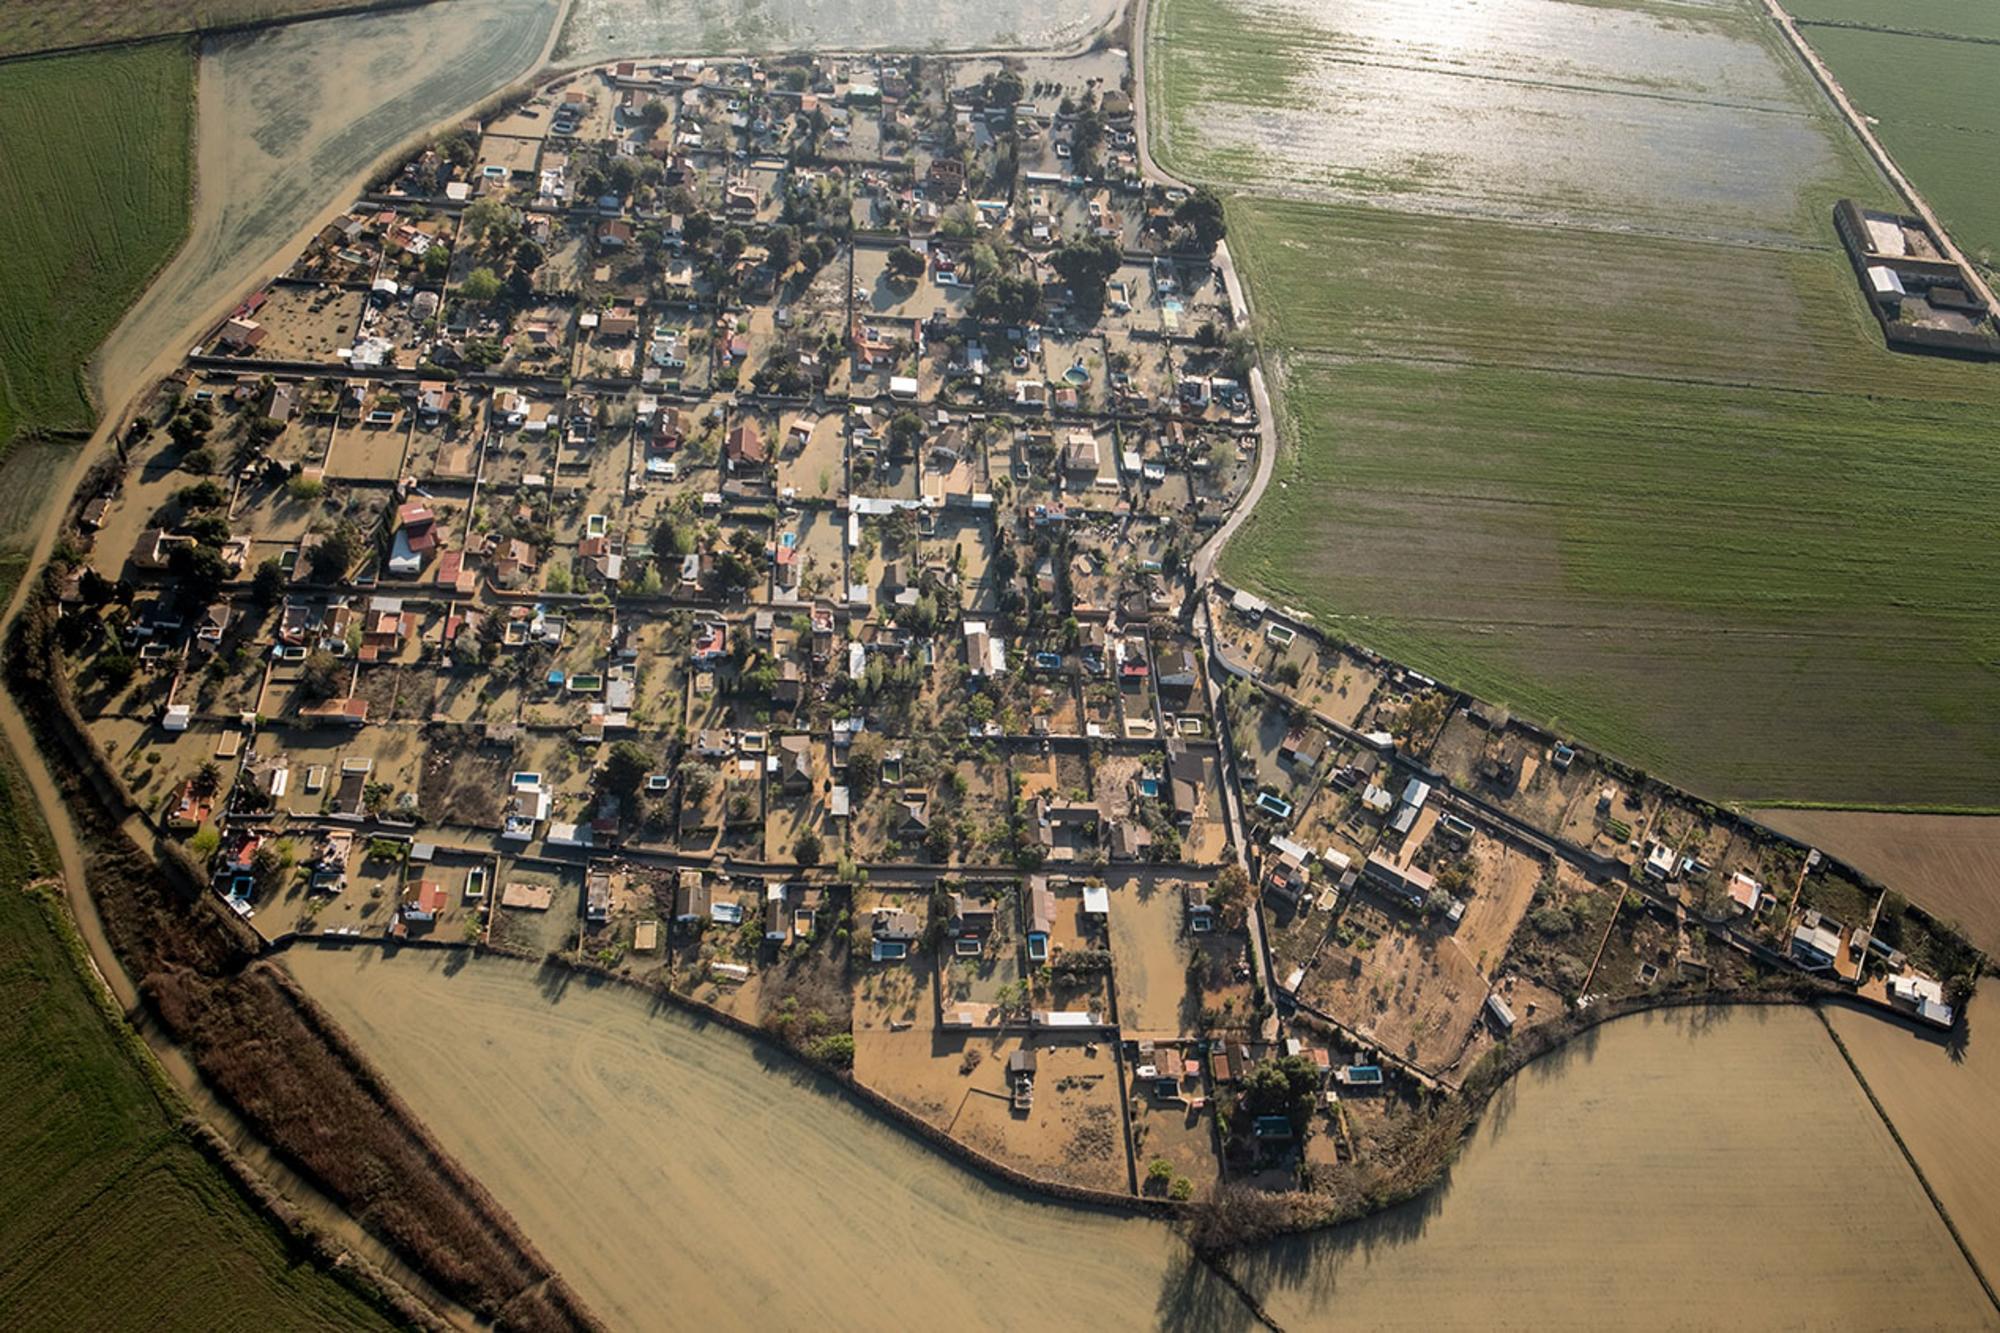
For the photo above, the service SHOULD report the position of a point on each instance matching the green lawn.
(94, 183)
(109, 1217)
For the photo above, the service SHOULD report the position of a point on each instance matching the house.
(1185, 775)
(1403, 884)
(792, 764)
(971, 922)
(777, 921)
(1415, 793)
(416, 537)
(745, 448)
(597, 886)
(693, 899)
(1177, 671)
(1041, 917)
(1660, 861)
(1200, 913)
(1303, 747)
(423, 900)
(1922, 996)
(385, 629)
(1746, 893)
(985, 655)
(1815, 942)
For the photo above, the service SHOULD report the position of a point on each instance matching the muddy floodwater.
(1694, 1170)
(605, 29)
(1943, 1095)
(286, 120)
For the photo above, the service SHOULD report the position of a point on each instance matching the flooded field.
(1683, 116)
(604, 29)
(1942, 1102)
(684, 1177)
(1686, 1170)
(286, 120)
(1947, 864)
(1683, 1170)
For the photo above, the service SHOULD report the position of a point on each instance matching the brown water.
(1675, 1170)
(286, 121)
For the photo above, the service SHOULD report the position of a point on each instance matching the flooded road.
(1721, 1168)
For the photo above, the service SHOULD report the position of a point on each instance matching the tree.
(1087, 266)
(489, 217)
(117, 668)
(1010, 298)
(200, 569)
(482, 284)
(1005, 88)
(1231, 895)
(1285, 1087)
(906, 431)
(334, 554)
(207, 780)
(864, 764)
(269, 583)
(626, 767)
(653, 115)
(1160, 1171)
(905, 264)
(1201, 214)
(319, 678)
(783, 244)
(697, 781)
(437, 261)
(201, 495)
(808, 849)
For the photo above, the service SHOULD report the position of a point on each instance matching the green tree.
(482, 284)
(905, 264)
(808, 849)
(626, 767)
(1201, 214)
(1086, 266)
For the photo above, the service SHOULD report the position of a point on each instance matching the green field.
(1960, 18)
(47, 25)
(1937, 102)
(1753, 557)
(94, 183)
(110, 1218)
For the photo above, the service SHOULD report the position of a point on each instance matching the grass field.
(109, 1216)
(1960, 18)
(93, 198)
(46, 25)
(1594, 500)
(1939, 117)
(1689, 118)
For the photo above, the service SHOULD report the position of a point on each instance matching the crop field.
(603, 29)
(1747, 591)
(1362, 281)
(1941, 1102)
(1958, 18)
(1947, 864)
(1683, 117)
(1640, 1179)
(93, 198)
(46, 25)
(109, 1217)
(1939, 117)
